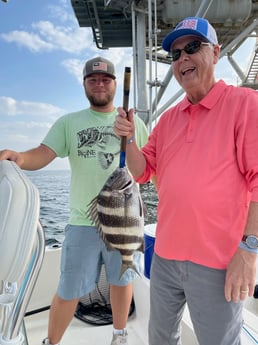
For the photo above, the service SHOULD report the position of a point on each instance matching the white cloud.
(75, 67)
(47, 37)
(11, 107)
(60, 12)
(30, 40)
(65, 38)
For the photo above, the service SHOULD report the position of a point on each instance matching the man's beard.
(97, 102)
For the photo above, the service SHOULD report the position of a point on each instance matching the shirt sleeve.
(56, 138)
(247, 143)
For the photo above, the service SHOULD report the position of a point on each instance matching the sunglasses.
(191, 48)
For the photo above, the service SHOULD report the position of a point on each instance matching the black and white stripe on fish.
(118, 213)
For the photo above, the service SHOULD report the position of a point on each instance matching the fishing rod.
(127, 77)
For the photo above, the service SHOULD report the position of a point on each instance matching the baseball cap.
(99, 65)
(191, 26)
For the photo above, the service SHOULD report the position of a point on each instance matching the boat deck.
(81, 333)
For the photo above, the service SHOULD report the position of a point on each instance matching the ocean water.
(53, 186)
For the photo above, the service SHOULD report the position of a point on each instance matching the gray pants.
(175, 283)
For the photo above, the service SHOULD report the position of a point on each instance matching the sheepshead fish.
(118, 213)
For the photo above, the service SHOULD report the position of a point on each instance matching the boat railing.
(22, 248)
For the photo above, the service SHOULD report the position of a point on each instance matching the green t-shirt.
(88, 140)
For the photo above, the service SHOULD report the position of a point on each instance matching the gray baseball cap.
(99, 65)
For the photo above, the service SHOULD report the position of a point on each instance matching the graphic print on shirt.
(93, 143)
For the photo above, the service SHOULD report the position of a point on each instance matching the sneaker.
(120, 339)
(46, 342)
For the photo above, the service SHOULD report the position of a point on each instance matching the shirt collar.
(209, 100)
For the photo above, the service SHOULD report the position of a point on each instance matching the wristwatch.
(251, 241)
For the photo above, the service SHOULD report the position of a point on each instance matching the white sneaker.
(120, 339)
(46, 342)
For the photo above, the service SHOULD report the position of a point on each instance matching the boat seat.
(19, 215)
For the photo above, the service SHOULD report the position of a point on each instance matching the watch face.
(252, 241)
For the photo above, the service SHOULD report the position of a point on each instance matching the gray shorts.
(83, 253)
(175, 283)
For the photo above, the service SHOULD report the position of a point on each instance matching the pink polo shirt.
(205, 157)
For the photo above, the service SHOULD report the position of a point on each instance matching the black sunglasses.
(191, 48)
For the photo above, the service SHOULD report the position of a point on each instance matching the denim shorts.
(83, 253)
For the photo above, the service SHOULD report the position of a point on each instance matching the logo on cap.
(100, 66)
(188, 24)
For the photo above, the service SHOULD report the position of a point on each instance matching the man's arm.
(33, 159)
(124, 126)
(241, 271)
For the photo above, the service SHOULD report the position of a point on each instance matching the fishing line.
(127, 77)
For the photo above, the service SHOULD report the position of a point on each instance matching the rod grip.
(127, 79)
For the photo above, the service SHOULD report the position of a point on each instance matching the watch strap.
(244, 238)
(130, 140)
(244, 246)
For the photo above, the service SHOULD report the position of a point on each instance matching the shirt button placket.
(191, 128)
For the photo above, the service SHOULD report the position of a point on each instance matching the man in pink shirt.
(204, 153)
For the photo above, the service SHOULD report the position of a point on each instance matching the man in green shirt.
(87, 138)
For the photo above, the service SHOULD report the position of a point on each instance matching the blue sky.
(42, 54)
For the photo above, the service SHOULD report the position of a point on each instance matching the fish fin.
(92, 212)
(141, 249)
(126, 267)
(143, 208)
